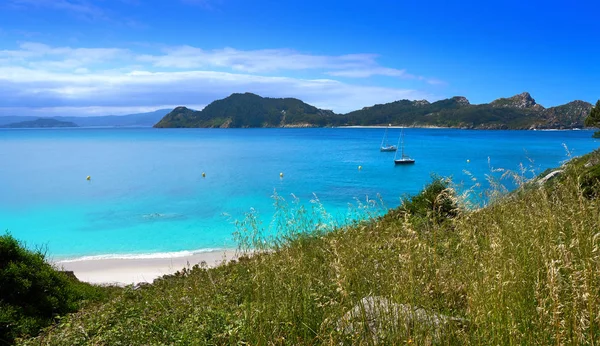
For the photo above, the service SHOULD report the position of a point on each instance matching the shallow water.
(147, 194)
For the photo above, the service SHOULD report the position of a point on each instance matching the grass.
(522, 271)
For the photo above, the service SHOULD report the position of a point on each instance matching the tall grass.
(523, 270)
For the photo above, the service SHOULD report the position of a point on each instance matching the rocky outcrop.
(421, 103)
(520, 101)
(549, 176)
(373, 320)
(461, 100)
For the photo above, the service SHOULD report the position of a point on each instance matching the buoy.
(468, 160)
(88, 178)
(281, 175)
(359, 168)
(203, 175)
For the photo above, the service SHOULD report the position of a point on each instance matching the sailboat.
(384, 145)
(404, 159)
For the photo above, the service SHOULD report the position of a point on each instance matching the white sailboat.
(404, 159)
(384, 145)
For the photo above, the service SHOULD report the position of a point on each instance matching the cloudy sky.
(96, 57)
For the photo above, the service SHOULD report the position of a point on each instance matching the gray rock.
(375, 319)
(549, 176)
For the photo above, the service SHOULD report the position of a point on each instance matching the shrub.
(435, 203)
(32, 293)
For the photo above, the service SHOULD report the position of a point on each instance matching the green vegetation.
(41, 122)
(593, 120)
(33, 294)
(523, 270)
(249, 110)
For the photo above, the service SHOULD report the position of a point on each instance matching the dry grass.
(523, 270)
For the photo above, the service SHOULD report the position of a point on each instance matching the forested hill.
(517, 112)
(249, 110)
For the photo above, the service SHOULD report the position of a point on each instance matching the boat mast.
(402, 135)
(396, 154)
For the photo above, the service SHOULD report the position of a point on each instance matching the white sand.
(136, 270)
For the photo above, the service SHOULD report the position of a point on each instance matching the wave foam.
(154, 255)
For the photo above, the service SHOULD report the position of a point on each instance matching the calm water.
(147, 194)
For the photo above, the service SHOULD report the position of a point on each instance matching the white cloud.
(111, 80)
(273, 60)
(81, 8)
(364, 73)
(254, 61)
(39, 55)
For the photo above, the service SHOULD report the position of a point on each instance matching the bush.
(32, 293)
(435, 203)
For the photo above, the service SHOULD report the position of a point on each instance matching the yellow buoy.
(203, 175)
(88, 178)
(281, 175)
(359, 168)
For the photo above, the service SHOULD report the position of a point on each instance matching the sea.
(172, 192)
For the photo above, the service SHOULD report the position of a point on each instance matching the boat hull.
(390, 148)
(404, 162)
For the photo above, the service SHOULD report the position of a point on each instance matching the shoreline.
(131, 271)
(453, 128)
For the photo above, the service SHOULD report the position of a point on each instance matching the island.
(39, 123)
(248, 110)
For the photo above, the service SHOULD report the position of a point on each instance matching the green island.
(40, 123)
(521, 270)
(249, 110)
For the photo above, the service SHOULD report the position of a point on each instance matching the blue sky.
(91, 57)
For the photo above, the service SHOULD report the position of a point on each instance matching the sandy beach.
(135, 270)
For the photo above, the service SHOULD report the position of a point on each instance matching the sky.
(100, 57)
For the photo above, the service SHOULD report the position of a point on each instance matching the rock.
(549, 176)
(591, 163)
(373, 319)
(521, 101)
(461, 100)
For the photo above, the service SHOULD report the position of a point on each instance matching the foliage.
(521, 271)
(436, 203)
(32, 293)
(593, 120)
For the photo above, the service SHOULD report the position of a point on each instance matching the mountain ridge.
(250, 110)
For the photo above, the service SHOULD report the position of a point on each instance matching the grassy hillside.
(523, 270)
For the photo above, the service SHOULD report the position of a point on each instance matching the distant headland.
(39, 123)
(248, 110)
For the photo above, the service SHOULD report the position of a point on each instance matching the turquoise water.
(147, 194)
